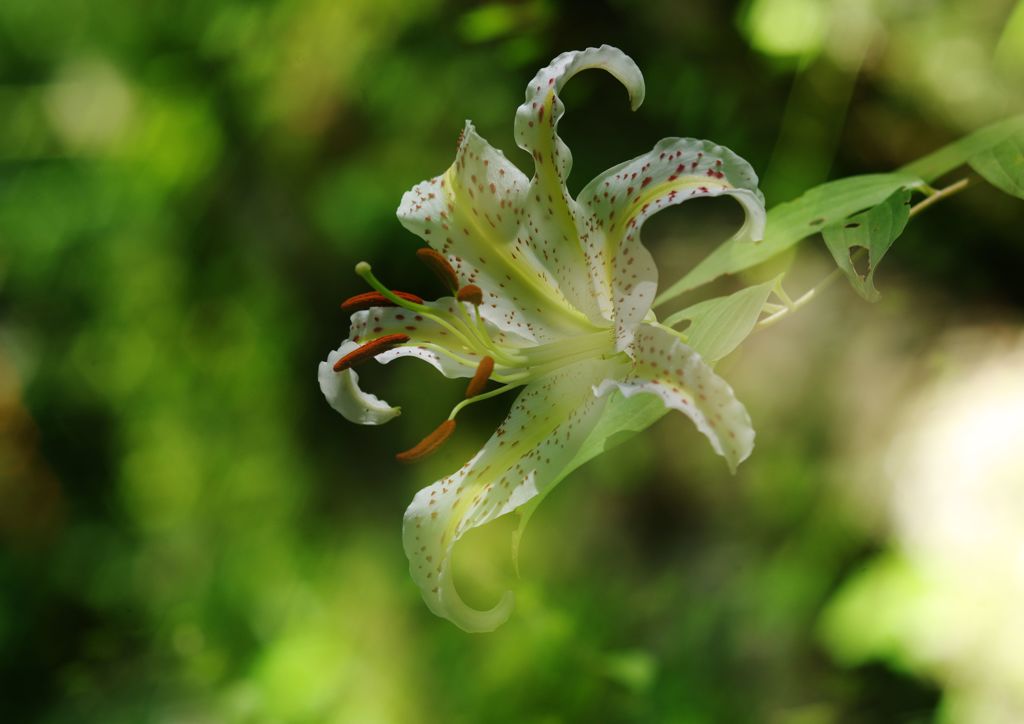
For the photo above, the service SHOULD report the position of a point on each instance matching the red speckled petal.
(616, 204)
(381, 321)
(537, 119)
(666, 367)
(553, 229)
(428, 341)
(546, 426)
(472, 214)
(342, 391)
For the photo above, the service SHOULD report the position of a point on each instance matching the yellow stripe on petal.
(554, 233)
(616, 204)
(548, 423)
(425, 337)
(472, 215)
(666, 367)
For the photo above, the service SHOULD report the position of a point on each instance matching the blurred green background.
(190, 534)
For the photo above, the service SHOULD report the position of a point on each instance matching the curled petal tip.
(530, 117)
(472, 620)
(343, 393)
(623, 67)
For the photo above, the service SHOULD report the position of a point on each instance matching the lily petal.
(548, 423)
(551, 211)
(428, 341)
(619, 201)
(471, 214)
(343, 394)
(666, 367)
(537, 118)
(427, 338)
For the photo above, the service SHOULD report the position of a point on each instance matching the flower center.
(469, 342)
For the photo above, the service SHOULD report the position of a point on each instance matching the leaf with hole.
(792, 221)
(872, 231)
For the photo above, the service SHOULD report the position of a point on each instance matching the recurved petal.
(616, 204)
(429, 341)
(440, 346)
(546, 426)
(664, 366)
(552, 232)
(537, 119)
(343, 394)
(472, 215)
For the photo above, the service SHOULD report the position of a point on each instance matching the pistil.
(474, 337)
(366, 272)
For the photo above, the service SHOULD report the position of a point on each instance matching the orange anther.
(376, 299)
(438, 264)
(370, 350)
(479, 381)
(471, 293)
(429, 444)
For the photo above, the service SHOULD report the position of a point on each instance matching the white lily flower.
(552, 295)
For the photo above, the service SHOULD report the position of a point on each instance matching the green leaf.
(873, 230)
(788, 223)
(792, 221)
(960, 152)
(1003, 165)
(623, 417)
(718, 326)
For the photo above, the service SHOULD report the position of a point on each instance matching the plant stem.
(935, 196)
(939, 195)
(795, 304)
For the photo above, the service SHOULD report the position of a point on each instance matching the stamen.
(370, 350)
(471, 293)
(429, 444)
(479, 381)
(436, 262)
(445, 319)
(376, 299)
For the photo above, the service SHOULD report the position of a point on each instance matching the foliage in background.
(190, 534)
